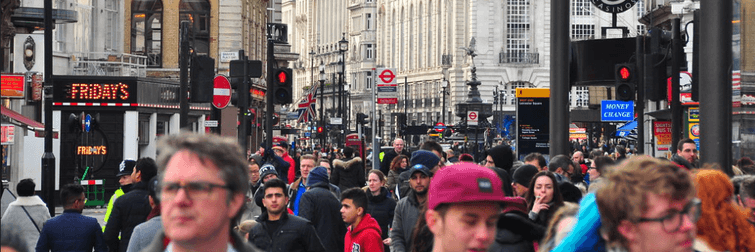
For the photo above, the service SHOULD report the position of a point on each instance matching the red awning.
(21, 120)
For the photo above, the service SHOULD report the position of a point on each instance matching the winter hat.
(267, 169)
(502, 155)
(257, 158)
(426, 158)
(126, 167)
(317, 175)
(523, 175)
(465, 182)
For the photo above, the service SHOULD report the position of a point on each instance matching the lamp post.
(443, 93)
(343, 46)
(322, 102)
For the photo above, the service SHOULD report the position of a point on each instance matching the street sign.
(616, 111)
(88, 122)
(439, 127)
(221, 92)
(336, 121)
(386, 76)
(472, 118)
(387, 89)
(211, 123)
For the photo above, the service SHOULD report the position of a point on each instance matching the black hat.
(266, 170)
(126, 167)
(523, 175)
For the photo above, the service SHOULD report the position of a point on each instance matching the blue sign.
(88, 122)
(616, 111)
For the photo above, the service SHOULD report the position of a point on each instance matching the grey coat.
(144, 233)
(16, 216)
(238, 242)
(404, 218)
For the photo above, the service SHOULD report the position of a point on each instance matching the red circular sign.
(221, 93)
(472, 115)
(387, 76)
(439, 127)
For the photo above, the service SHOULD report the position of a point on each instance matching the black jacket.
(129, 210)
(294, 234)
(321, 207)
(348, 173)
(381, 208)
(516, 233)
(389, 155)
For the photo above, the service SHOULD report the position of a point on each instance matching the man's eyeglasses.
(673, 221)
(193, 190)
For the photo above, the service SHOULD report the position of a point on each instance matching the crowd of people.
(202, 194)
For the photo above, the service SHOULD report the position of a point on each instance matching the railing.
(108, 64)
(519, 58)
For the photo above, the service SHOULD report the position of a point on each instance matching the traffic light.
(320, 130)
(625, 82)
(282, 86)
(202, 75)
(361, 118)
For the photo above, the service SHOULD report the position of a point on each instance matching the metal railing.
(519, 58)
(108, 64)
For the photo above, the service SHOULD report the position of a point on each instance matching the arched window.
(197, 12)
(146, 30)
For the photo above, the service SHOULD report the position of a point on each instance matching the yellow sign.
(533, 92)
(91, 150)
(694, 131)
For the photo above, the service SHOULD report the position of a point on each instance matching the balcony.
(518, 58)
(108, 64)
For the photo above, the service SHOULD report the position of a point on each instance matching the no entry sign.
(221, 93)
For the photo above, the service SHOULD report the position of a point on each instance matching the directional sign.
(472, 118)
(386, 76)
(211, 123)
(88, 122)
(221, 93)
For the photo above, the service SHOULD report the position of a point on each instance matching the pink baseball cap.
(465, 182)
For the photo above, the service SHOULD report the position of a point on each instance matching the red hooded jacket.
(365, 238)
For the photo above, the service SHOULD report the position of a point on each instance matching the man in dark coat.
(132, 208)
(349, 172)
(279, 231)
(71, 231)
(398, 149)
(321, 207)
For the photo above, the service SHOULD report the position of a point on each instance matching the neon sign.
(96, 91)
(91, 150)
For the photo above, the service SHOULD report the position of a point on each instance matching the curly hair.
(396, 162)
(722, 225)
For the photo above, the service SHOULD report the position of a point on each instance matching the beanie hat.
(267, 169)
(523, 175)
(317, 175)
(426, 158)
(502, 155)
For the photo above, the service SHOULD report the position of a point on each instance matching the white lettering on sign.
(618, 106)
(617, 114)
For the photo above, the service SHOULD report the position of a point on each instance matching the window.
(368, 22)
(517, 29)
(368, 80)
(511, 91)
(582, 31)
(640, 7)
(197, 13)
(580, 7)
(146, 30)
(582, 95)
(111, 13)
(370, 52)
(60, 30)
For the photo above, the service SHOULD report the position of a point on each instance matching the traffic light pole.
(676, 106)
(184, 76)
(375, 145)
(48, 157)
(243, 102)
(269, 106)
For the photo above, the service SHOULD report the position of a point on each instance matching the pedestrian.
(723, 225)
(463, 204)
(381, 204)
(203, 181)
(143, 233)
(561, 167)
(424, 157)
(281, 150)
(71, 231)
(320, 206)
(408, 208)
(686, 154)
(28, 213)
(399, 164)
(10, 239)
(599, 166)
(389, 155)
(544, 197)
(252, 210)
(521, 180)
(363, 233)
(746, 197)
(562, 223)
(277, 230)
(348, 172)
(132, 208)
(500, 159)
(298, 187)
(125, 168)
(515, 232)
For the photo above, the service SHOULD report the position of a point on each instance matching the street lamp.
(343, 46)
(322, 101)
(443, 92)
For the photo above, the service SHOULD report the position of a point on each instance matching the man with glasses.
(203, 180)
(71, 231)
(649, 205)
(562, 167)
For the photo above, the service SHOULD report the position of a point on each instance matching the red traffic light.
(625, 73)
(282, 76)
(319, 129)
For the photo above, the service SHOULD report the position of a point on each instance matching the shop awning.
(21, 120)
(628, 130)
